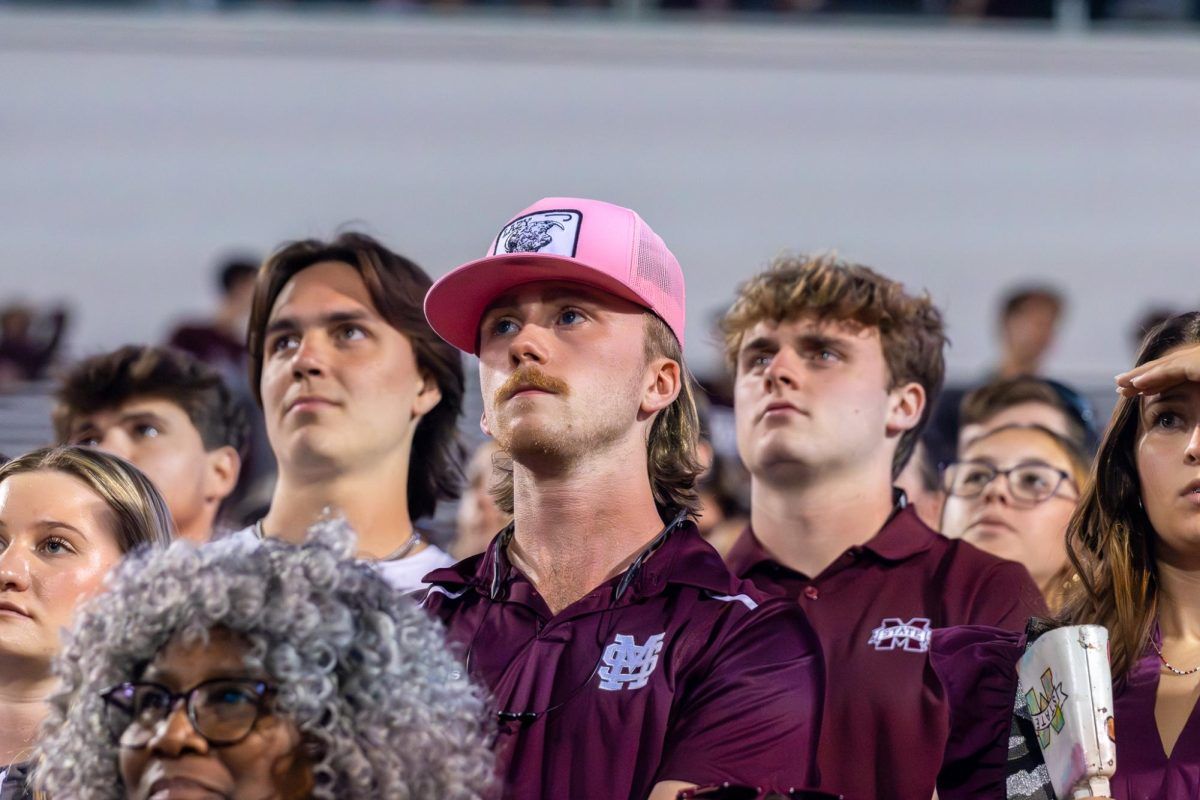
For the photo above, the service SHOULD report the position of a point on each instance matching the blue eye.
(504, 326)
(55, 546)
(351, 333)
(285, 342)
(570, 317)
(146, 431)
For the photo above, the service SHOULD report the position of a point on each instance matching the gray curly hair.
(362, 672)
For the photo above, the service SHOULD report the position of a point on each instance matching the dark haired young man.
(361, 398)
(167, 413)
(624, 659)
(835, 368)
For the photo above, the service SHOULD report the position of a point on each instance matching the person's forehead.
(327, 286)
(51, 494)
(144, 405)
(1015, 445)
(1032, 412)
(187, 663)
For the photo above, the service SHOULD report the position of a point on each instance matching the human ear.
(905, 406)
(664, 381)
(429, 395)
(224, 467)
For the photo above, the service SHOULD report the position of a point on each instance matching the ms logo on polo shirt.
(627, 664)
(555, 232)
(896, 634)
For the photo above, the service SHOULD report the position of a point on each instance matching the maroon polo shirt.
(690, 675)
(885, 723)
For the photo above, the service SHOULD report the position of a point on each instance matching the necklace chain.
(1176, 670)
(397, 554)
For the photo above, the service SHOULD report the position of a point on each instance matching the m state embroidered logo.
(554, 232)
(894, 633)
(1046, 708)
(627, 664)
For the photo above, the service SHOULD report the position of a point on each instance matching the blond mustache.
(530, 378)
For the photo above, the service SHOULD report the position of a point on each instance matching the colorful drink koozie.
(1065, 679)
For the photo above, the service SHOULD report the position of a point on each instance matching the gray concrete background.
(134, 149)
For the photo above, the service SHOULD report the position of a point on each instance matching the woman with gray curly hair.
(252, 670)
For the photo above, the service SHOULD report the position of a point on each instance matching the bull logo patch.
(1046, 708)
(629, 665)
(894, 633)
(555, 232)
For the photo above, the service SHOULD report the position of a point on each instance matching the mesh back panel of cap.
(650, 265)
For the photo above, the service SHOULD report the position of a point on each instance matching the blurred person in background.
(170, 415)
(67, 516)
(221, 341)
(625, 659)
(722, 515)
(361, 399)
(1028, 322)
(1029, 318)
(1012, 493)
(479, 516)
(836, 367)
(262, 671)
(922, 485)
(1147, 321)
(1028, 400)
(29, 342)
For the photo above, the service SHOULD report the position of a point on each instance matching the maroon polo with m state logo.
(886, 722)
(689, 675)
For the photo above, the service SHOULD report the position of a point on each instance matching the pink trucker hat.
(561, 239)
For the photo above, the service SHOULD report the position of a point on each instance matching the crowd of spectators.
(274, 478)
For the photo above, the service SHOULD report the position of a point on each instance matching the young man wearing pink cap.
(624, 659)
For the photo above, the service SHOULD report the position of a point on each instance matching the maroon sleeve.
(752, 712)
(1006, 597)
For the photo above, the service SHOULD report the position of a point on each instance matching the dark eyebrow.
(760, 343)
(324, 320)
(820, 341)
(136, 416)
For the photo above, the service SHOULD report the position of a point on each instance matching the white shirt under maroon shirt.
(403, 574)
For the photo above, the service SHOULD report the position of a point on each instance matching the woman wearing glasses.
(262, 671)
(1012, 494)
(67, 516)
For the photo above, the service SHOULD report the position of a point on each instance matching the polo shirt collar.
(683, 558)
(903, 536)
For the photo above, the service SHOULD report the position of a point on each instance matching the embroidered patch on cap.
(555, 232)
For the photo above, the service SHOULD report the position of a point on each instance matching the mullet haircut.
(111, 380)
(397, 288)
(829, 289)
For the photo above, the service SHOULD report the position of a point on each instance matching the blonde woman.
(67, 516)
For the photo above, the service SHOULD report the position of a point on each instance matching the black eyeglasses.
(222, 710)
(1030, 483)
(734, 791)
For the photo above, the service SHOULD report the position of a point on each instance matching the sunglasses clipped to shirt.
(734, 791)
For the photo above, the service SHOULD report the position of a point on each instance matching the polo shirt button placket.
(812, 592)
